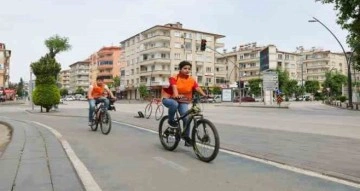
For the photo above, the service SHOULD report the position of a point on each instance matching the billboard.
(264, 59)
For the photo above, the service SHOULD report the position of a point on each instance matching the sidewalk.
(35, 160)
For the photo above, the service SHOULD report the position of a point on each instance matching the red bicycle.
(159, 108)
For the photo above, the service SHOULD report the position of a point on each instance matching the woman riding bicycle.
(179, 94)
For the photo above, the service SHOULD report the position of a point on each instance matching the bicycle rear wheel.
(159, 112)
(148, 110)
(105, 122)
(203, 140)
(169, 137)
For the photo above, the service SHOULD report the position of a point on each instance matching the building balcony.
(199, 63)
(317, 66)
(156, 38)
(155, 72)
(105, 74)
(249, 59)
(249, 69)
(219, 45)
(156, 49)
(317, 59)
(155, 61)
(105, 66)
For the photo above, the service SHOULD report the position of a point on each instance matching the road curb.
(11, 130)
(87, 180)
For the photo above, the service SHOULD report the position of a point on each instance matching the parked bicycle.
(159, 112)
(200, 134)
(101, 117)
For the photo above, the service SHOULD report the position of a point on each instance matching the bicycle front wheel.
(159, 112)
(206, 141)
(94, 123)
(148, 110)
(105, 123)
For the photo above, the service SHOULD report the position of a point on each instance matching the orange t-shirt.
(97, 91)
(185, 85)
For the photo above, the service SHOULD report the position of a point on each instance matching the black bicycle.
(200, 134)
(101, 117)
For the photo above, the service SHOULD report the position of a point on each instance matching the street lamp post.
(347, 60)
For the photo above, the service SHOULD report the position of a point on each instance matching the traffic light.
(240, 84)
(203, 45)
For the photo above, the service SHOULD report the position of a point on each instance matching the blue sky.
(91, 24)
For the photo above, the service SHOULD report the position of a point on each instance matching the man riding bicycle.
(179, 94)
(96, 95)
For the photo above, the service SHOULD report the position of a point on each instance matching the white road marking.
(83, 173)
(268, 162)
(171, 164)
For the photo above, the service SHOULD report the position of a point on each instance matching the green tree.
(254, 85)
(216, 90)
(283, 78)
(64, 92)
(312, 86)
(116, 81)
(13, 85)
(143, 91)
(46, 93)
(290, 87)
(20, 88)
(349, 19)
(79, 90)
(57, 44)
(299, 91)
(334, 82)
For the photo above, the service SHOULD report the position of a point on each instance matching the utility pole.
(349, 84)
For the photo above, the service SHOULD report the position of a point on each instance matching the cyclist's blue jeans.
(92, 103)
(172, 106)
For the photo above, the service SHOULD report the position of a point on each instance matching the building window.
(177, 45)
(241, 57)
(188, 46)
(208, 69)
(199, 58)
(163, 55)
(177, 56)
(280, 56)
(177, 33)
(287, 57)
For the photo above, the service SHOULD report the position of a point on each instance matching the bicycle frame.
(194, 112)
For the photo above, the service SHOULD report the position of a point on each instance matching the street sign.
(270, 81)
(279, 99)
(227, 95)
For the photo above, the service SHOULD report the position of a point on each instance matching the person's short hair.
(99, 78)
(184, 63)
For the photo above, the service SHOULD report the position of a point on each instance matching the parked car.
(243, 99)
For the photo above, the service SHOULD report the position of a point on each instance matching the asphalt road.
(133, 159)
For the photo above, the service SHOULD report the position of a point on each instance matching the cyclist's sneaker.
(188, 141)
(90, 123)
(173, 123)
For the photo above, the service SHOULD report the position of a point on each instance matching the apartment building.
(79, 76)
(153, 55)
(64, 79)
(316, 62)
(5, 55)
(105, 63)
(243, 63)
